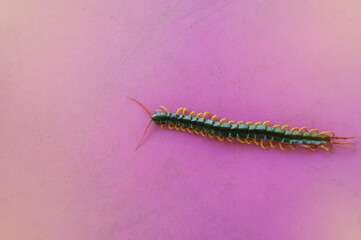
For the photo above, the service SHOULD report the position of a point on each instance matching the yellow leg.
(190, 130)
(305, 145)
(263, 146)
(165, 109)
(196, 131)
(283, 147)
(230, 122)
(267, 123)
(286, 127)
(314, 148)
(223, 120)
(185, 110)
(183, 128)
(220, 138)
(192, 114)
(273, 145)
(211, 135)
(294, 129)
(326, 148)
(179, 109)
(323, 133)
(293, 147)
(256, 142)
(229, 139)
(207, 113)
(313, 130)
(240, 140)
(199, 115)
(240, 122)
(248, 141)
(277, 126)
(303, 128)
(249, 123)
(215, 117)
(203, 134)
(177, 127)
(170, 126)
(258, 123)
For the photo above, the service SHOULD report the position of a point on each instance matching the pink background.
(69, 169)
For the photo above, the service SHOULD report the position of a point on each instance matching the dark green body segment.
(245, 131)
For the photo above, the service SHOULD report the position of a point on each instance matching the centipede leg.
(185, 110)
(223, 120)
(230, 122)
(215, 117)
(220, 138)
(229, 139)
(294, 129)
(263, 146)
(273, 145)
(283, 147)
(326, 148)
(277, 126)
(303, 129)
(286, 127)
(292, 146)
(192, 114)
(240, 140)
(306, 146)
(211, 135)
(179, 109)
(207, 113)
(248, 141)
(165, 109)
(267, 123)
(240, 122)
(258, 123)
(199, 115)
(314, 147)
(325, 132)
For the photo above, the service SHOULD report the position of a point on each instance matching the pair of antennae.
(150, 114)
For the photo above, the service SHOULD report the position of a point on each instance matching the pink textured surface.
(69, 169)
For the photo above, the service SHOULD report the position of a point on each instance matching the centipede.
(262, 134)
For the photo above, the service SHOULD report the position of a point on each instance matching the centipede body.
(259, 133)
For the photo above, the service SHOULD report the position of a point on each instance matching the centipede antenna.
(144, 134)
(150, 114)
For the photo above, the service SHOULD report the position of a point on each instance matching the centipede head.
(150, 114)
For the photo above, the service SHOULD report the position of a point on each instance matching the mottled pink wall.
(68, 165)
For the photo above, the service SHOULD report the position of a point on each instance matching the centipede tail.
(262, 134)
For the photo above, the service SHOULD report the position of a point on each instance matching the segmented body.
(259, 133)
(245, 131)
